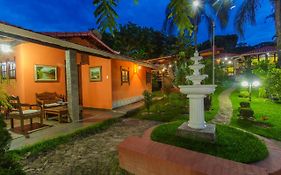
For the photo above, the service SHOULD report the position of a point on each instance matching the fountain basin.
(197, 89)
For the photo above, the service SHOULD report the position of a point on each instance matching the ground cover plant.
(230, 143)
(267, 115)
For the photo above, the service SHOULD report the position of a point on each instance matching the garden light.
(230, 62)
(170, 66)
(225, 58)
(245, 84)
(256, 83)
(196, 3)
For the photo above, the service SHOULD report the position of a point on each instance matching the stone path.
(225, 110)
(96, 154)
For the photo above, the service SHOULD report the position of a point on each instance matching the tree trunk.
(277, 4)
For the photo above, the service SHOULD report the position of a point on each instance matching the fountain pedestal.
(196, 127)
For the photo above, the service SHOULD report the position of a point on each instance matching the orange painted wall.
(27, 55)
(137, 81)
(97, 94)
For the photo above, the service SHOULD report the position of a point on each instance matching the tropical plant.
(7, 165)
(273, 83)
(147, 99)
(247, 13)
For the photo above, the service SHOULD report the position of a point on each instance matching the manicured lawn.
(232, 144)
(175, 107)
(263, 108)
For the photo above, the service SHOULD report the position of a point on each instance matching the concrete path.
(225, 110)
(96, 154)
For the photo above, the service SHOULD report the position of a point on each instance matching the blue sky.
(77, 15)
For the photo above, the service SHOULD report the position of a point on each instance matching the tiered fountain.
(196, 127)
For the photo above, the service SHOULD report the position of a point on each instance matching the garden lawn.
(263, 108)
(175, 107)
(230, 143)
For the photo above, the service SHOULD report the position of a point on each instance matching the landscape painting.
(45, 73)
(96, 74)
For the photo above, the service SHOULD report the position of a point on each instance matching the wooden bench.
(145, 157)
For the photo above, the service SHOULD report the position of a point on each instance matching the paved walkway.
(95, 154)
(89, 118)
(225, 110)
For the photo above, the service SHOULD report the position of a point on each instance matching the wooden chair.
(19, 112)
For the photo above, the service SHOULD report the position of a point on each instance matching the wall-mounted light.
(5, 48)
(136, 68)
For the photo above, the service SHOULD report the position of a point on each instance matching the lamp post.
(250, 85)
(214, 45)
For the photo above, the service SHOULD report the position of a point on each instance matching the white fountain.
(196, 127)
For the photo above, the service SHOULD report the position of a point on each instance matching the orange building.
(69, 64)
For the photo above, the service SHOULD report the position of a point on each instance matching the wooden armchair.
(19, 112)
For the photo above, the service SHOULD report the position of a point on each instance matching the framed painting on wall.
(125, 76)
(96, 74)
(45, 73)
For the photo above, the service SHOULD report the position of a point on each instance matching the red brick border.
(144, 157)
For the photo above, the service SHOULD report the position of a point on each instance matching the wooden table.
(60, 111)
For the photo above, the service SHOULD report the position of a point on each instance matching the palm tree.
(186, 15)
(247, 13)
(179, 13)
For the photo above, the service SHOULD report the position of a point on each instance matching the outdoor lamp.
(5, 48)
(245, 84)
(250, 85)
(256, 83)
(225, 58)
(230, 62)
(196, 3)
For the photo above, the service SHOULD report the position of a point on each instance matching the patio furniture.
(19, 112)
(61, 112)
(49, 100)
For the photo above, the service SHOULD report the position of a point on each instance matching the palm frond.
(178, 13)
(106, 15)
(246, 13)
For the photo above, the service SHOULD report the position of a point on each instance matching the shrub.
(262, 92)
(7, 165)
(245, 105)
(244, 94)
(273, 83)
(147, 99)
(246, 113)
(207, 103)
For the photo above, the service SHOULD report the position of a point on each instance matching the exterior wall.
(128, 93)
(97, 94)
(27, 55)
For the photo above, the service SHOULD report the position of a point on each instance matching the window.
(4, 70)
(12, 69)
(8, 69)
(148, 77)
(125, 76)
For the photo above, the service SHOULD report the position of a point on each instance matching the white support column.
(72, 85)
(196, 112)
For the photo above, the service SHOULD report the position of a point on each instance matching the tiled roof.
(261, 50)
(80, 34)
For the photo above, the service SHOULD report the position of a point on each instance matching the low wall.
(142, 156)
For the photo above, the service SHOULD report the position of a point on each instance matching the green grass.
(175, 107)
(262, 107)
(231, 143)
(171, 108)
(52, 144)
